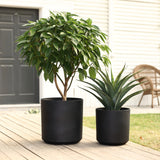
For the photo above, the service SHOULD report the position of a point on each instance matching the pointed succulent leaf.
(127, 98)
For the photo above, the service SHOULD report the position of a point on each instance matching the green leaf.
(47, 41)
(45, 35)
(89, 21)
(62, 34)
(82, 71)
(23, 42)
(92, 72)
(81, 76)
(45, 75)
(32, 32)
(74, 41)
(127, 98)
(51, 78)
(56, 46)
(65, 46)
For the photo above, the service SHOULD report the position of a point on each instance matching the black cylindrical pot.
(61, 120)
(112, 127)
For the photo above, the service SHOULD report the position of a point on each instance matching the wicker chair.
(151, 80)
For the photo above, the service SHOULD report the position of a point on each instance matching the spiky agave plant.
(112, 92)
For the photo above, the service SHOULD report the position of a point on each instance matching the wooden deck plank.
(91, 152)
(135, 148)
(33, 142)
(25, 129)
(3, 156)
(33, 128)
(78, 147)
(8, 150)
(17, 147)
(128, 149)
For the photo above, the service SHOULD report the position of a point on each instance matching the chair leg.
(158, 100)
(152, 101)
(140, 100)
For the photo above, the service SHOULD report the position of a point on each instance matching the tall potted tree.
(112, 121)
(63, 43)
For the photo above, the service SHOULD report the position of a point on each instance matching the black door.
(18, 82)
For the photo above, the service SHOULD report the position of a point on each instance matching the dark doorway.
(19, 83)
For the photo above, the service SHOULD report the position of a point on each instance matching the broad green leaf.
(56, 46)
(92, 72)
(32, 32)
(81, 76)
(47, 41)
(65, 46)
(62, 34)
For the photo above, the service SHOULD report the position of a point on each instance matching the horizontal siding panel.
(131, 7)
(97, 10)
(127, 35)
(137, 28)
(94, 9)
(93, 13)
(136, 47)
(147, 1)
(91, 1)
(139, 10)
(138, 20)
(134, 56)
(130, 66)
(137, 51)
(136, 34)
(137, 40)
(134, 4)
(92, 6)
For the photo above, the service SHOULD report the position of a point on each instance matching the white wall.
(136, 36)
(95, 9)
(133, 27)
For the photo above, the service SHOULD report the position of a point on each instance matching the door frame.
(41, 11)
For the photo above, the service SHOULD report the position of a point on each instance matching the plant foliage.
(112, 92)
(63, 41)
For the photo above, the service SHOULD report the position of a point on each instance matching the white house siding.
(133, 27)
(94, 9)
(98, 11)
(135, 36)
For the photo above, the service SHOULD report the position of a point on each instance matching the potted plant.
(60, 46)
(112, 121)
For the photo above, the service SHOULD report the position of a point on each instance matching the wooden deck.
(20, 139)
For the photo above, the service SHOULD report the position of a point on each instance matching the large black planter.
(61, 120)
(112, 127)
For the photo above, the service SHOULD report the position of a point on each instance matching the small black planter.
(61, 120)
(112, 126)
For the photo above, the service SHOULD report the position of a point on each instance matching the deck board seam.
(39, 134)
(22, 125)
(5, 154)
(20, 143)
